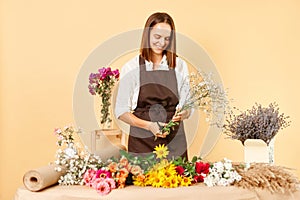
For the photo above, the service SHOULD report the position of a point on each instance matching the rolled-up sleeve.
(183, 83)
(129, 81)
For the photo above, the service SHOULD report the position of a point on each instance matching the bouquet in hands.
(203, 94)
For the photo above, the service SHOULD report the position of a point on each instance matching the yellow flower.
(185, 181)
(174, 181)
(166, 184)
(161, 165)
(140, 180)
(161, 151)
(157, 181)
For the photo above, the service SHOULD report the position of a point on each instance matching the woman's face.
(160, 37)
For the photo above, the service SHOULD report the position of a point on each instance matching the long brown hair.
(170, 51)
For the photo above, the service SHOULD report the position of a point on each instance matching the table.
(196, 191)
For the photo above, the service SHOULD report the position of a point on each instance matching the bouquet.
(101, 83)
(256, 123)
(72, 157)
(203, 94)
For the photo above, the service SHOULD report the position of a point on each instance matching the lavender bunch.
(256, 123)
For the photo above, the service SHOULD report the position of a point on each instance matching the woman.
(152, 87)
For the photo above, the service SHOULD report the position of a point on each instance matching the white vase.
(256, 150)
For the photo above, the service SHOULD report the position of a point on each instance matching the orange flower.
(112, 167)
(123, 172)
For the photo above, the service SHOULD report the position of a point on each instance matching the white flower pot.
(256, 150)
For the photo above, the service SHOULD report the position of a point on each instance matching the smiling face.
(160, 36)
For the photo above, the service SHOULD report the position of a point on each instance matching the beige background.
(254, 44)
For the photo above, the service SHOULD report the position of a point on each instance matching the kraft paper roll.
(40, 178)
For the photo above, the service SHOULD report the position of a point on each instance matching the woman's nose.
(162, 41)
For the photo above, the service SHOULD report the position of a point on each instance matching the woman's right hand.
(155, 128)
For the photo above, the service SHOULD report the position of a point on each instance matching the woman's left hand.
(181, 116)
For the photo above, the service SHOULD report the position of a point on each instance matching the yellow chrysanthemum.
(161, 151)
(171, 168)
(174, 181)
(166, 183)
(157, 181)
(185, 181)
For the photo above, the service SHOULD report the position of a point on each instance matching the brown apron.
(157, 101)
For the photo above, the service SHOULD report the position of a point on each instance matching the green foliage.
(145, 162)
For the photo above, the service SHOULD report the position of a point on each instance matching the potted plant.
(258, 123)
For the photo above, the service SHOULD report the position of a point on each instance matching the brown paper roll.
(38, 179)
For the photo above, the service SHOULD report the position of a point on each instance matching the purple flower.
(93, 78)
(92, 90)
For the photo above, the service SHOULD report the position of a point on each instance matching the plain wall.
(254, 44)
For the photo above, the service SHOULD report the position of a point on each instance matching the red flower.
(198, 179)
(202, 167)
(180, 170)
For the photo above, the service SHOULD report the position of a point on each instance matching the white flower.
(57, 169)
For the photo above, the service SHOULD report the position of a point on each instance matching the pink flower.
(102, 187)
(111, 183)
(103, 174)
(180, 170)
(57, 131)
(116, 73)
(89, 177)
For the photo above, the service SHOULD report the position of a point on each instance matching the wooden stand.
(106, 132)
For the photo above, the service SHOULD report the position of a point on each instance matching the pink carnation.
(89, 177)
(102, 187)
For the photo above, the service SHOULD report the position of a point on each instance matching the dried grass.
(276, 179)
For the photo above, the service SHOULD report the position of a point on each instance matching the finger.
(176, 118)
(160, 135)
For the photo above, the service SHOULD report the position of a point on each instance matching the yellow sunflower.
(186, 181)
(174, 181)
(157, 181)
(166, 183)
(161, 151)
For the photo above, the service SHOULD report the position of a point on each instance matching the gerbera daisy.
(161, 151)
(101, 173)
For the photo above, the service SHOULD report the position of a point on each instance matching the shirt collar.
(163, 64)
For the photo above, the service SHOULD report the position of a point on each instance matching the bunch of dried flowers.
(256, 123)
(273, 178)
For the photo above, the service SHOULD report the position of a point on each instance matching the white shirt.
(129, 85)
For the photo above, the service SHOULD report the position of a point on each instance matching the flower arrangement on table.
(72, 157)
(101, 83)
(203, 94)
(256, 123)
(83, 168)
